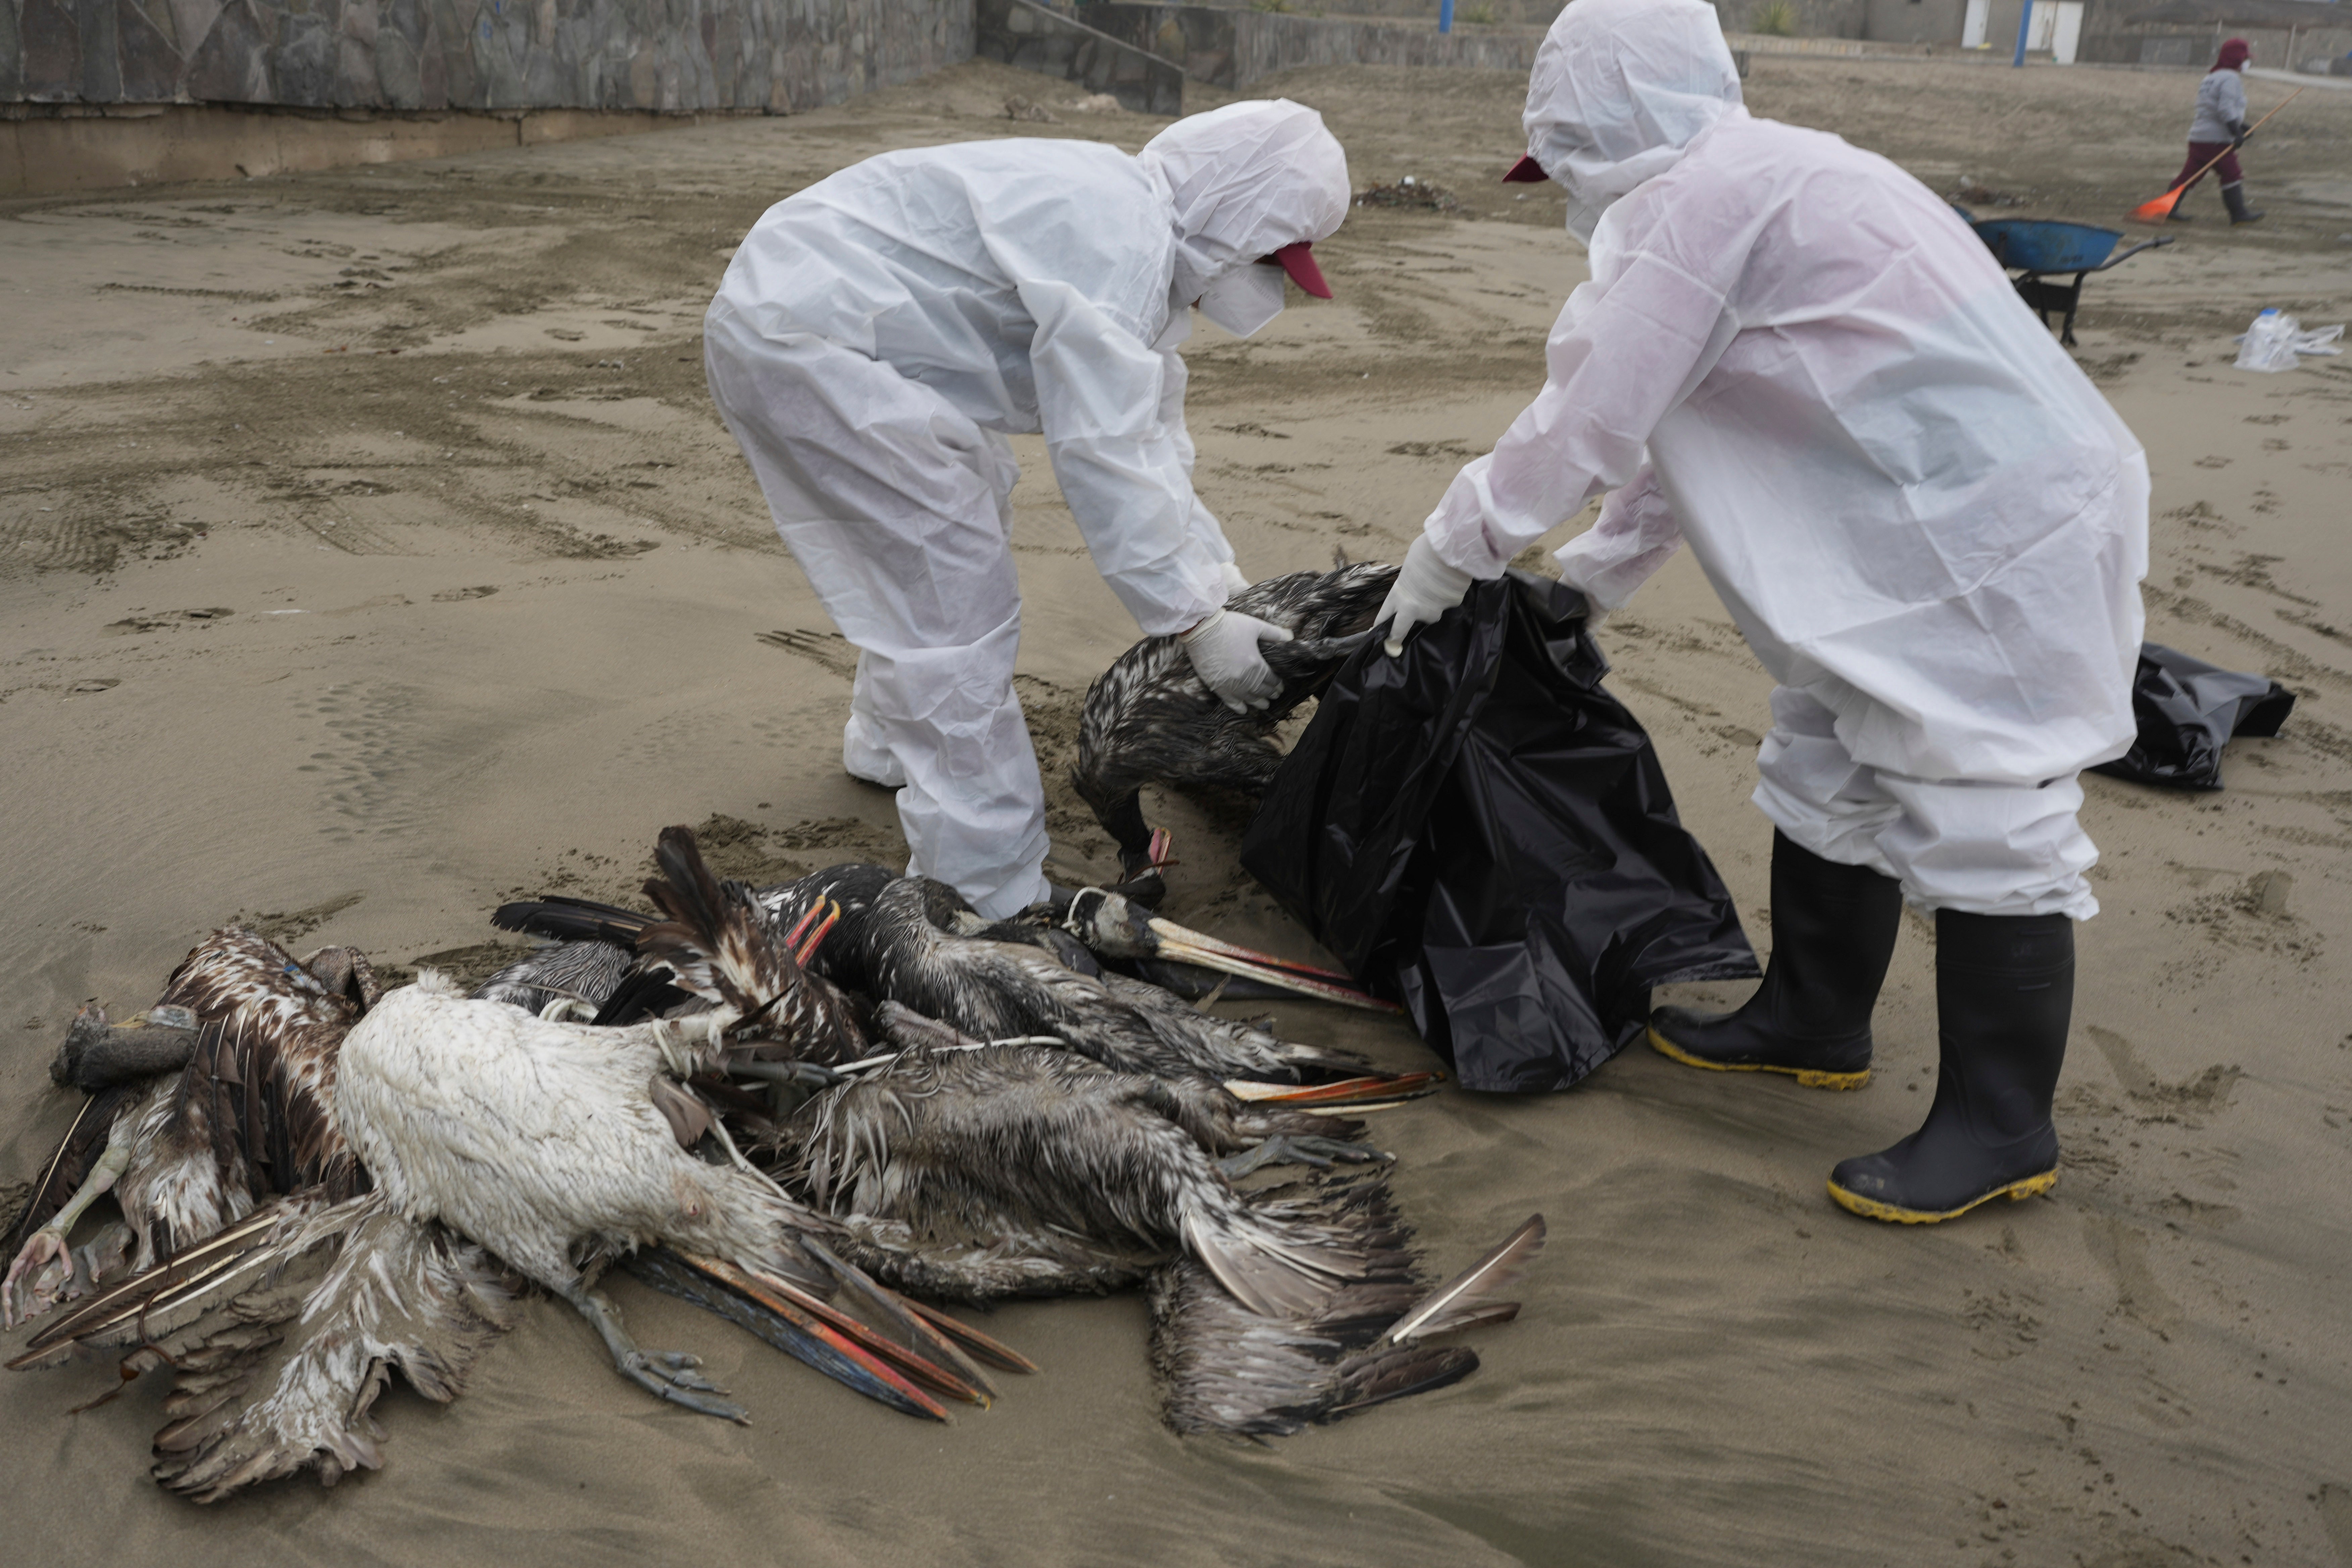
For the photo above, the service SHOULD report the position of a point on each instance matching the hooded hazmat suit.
(878, 334)
(1926, 521)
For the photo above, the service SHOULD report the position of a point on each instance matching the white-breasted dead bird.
(560, 1146)
(1148, 719)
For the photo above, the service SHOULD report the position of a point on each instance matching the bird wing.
(281, 1330)
(282, 1378)
(716, 940)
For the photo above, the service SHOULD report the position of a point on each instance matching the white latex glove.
(1425, 588)
(1225, 650)
(1234, 581)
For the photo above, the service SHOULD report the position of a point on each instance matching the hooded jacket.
(1916, 506)
(2222, 96)
(1034, 285)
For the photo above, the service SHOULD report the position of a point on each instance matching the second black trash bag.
(2187, 710)
(1482, 832)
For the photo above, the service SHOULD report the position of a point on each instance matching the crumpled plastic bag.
(2277, 341)
(2188, 709)
(1478, 830)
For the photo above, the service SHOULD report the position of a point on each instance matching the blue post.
(2024, 23)
(1446, 16)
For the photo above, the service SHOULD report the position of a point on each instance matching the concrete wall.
(665, 55)
(1914, 21)
(1029, 35)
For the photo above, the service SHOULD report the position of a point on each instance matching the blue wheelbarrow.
(2036, 250)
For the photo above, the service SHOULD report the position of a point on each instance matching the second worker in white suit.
(879, 333)
(1927, 522)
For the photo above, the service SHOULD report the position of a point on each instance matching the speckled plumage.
(249, 1115)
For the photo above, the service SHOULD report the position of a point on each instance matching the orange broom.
(2161, 209)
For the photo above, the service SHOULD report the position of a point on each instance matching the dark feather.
(560, 919)
(1148, 719)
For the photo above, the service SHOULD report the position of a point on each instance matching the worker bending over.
(878, 335)
(1927, 523)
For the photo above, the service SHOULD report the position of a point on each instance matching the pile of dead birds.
(823, 1110)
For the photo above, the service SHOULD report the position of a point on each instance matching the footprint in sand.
(2207, 1091)
(2121, 1250)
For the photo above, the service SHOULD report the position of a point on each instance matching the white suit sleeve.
(1635, 535)
(1628, 347)
(1175, 375)
(1101, 396)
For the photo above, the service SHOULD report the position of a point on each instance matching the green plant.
(1776, 18)
(1477, 13)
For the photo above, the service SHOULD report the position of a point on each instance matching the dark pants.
(2203, 152)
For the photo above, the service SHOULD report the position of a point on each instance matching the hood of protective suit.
(1619, 89)
(1242, 182)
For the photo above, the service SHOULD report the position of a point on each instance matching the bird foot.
(41, 1277)
(671, 1375)
(667, 1374)
(798, 1074)
(1297, 1149)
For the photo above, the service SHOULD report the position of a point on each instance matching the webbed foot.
(667, 1375)
(1299, 1149)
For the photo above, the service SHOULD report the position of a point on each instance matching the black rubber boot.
(1833, 932)
(2234, 198)
(2005, 992)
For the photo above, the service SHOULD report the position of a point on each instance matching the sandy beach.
(370, 553)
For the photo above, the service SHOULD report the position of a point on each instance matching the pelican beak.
(1170, 941)
(783, 1316)
(802, 951)
(1364, 1093)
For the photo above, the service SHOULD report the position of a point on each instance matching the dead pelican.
(974, 1172)
(914, 942)
(1148, 720)
(549, 1141)
(1223, 1368)
(248, 1113)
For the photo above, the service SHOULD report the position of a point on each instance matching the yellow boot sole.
(1871, 1209)
(1811, 1078)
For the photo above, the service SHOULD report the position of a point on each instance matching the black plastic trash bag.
(1481, 832)
(2188, 709)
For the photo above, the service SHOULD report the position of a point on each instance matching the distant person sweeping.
(2219, 130)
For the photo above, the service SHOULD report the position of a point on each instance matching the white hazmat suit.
(1926, 521)
(879, 333)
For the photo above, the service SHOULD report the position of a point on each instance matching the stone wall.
(1029, 35)
(1233, 48)
(669, 56)
(1813, 18)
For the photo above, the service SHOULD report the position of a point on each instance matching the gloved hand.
(1234, 581)
(1225, 650)
(1425, 588)
(2238, 134)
